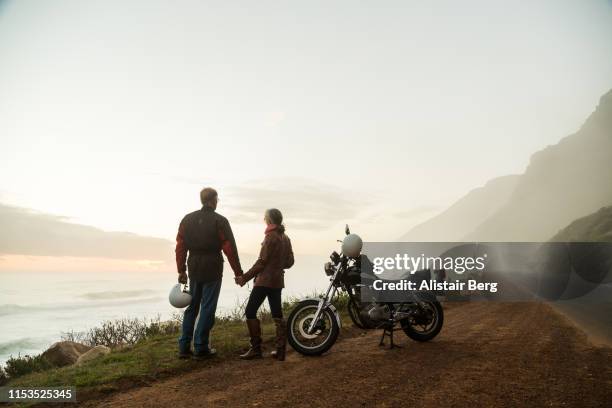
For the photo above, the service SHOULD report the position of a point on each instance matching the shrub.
(341, 301)
(236, 314)
(128, 331)
(3, 377)
(156, 327)
(76, 337)
(18, 366)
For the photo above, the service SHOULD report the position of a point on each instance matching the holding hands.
(240, 280)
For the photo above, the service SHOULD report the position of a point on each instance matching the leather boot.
(281, 340)
(255, 334)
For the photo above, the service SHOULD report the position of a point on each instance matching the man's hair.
(208, 195)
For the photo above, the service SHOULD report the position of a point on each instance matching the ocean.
(36, 308)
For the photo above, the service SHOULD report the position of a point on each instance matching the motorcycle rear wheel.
(425, 331)
(325, 333)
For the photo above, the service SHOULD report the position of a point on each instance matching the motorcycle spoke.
(301, 323)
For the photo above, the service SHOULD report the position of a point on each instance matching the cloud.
(386, 214)
(199, 181)
(305, 204)
(26, 232)
(272, 119)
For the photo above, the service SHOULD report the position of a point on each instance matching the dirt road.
(488, 354)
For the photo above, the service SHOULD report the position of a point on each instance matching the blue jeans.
(204, 298)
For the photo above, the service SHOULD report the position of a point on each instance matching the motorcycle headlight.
(329, 269)
(335, 258)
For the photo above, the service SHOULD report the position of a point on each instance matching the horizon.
(466, 146)
(130, 121)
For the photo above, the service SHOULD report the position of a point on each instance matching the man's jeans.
(204, 298)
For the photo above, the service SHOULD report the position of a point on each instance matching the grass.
(148, 359)
(152, 358)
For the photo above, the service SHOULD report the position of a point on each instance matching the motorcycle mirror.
(347, 230)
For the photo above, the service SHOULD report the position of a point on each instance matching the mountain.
(31, 233)
(562, 182)
(460, 218)
(596, 227)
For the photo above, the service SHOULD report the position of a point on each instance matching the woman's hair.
(276, 217)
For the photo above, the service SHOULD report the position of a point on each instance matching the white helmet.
(179, 297)
(351, 245)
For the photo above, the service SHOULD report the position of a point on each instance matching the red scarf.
(271, 227)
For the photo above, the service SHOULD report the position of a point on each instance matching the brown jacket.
(275, 256)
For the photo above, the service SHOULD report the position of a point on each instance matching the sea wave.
(14, 309)
(120, 294)
(20, 344)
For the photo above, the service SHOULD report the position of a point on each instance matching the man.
(203, 234)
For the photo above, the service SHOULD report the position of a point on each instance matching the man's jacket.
(203, 234)
(275, 256)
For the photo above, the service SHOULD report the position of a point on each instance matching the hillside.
(562, 183)
(596, 227)
(459, 219)
(489, 354)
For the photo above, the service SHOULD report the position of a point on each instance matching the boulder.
(93, 353)
(64, 353)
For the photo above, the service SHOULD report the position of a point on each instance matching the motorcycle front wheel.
(323, 336)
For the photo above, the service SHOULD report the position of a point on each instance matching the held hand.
(239, 280)
(182, 278)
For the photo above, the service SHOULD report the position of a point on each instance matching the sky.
(113, 115)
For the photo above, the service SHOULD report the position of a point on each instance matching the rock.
(64, 353)
(93, 353)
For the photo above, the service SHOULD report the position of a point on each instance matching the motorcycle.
(314, 324)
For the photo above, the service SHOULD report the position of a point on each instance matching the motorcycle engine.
(375, 312)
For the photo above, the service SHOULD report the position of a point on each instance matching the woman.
(276, 255)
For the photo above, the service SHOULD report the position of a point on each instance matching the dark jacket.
(275, 256)
(204, 234)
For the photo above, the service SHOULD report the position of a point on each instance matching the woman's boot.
(255, 334)
(281, 340)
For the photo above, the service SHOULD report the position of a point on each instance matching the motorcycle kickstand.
(388, 330)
